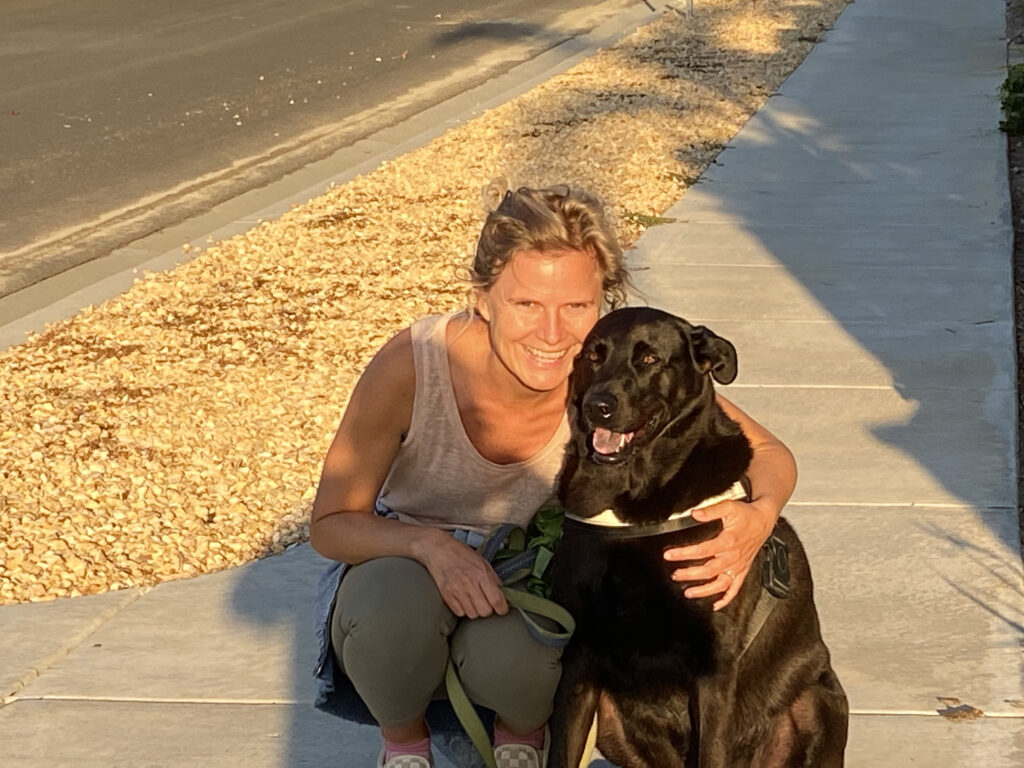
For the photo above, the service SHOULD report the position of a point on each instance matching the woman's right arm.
(343, 525)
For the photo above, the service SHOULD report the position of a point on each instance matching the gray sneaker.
(404, 761)
(519, 756)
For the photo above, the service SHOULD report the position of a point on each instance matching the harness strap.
(762, 610)
(775, 586)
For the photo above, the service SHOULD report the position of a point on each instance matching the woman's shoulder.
(392, 368)
(394, 364)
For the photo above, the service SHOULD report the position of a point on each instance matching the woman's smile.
(546, 357)
(538, 311)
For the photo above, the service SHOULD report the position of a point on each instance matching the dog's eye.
(650, 359)
(592, 356)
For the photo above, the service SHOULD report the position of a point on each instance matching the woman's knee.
(388, 596)
(389, 634)
(503, 667)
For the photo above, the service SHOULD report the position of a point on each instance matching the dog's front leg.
(716, 703)
(812, 732)
(575, 709)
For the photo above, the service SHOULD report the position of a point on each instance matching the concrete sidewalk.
(854, 242)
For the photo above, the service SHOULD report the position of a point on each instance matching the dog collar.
(612, 523)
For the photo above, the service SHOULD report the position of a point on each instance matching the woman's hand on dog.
(726, 559)
(467, 583)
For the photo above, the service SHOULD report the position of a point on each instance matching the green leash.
(521, 565)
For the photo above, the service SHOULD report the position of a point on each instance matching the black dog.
(670, 681)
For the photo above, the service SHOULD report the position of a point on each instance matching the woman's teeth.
(545, 357)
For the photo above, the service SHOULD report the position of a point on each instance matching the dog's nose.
(600, 406)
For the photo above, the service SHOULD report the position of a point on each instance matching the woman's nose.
(551, 328)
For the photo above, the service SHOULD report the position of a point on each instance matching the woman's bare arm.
(745, 526)
(343, 526)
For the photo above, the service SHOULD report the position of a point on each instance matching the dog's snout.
(600, 406)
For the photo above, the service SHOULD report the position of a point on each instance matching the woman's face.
(539, 310)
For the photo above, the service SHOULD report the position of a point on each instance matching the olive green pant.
(392, 635)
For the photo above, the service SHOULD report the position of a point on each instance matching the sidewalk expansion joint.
(937, 505)
(163, 700)
(867, 387)
(14, 693)
(935, 713)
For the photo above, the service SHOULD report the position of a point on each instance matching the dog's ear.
(714, 354)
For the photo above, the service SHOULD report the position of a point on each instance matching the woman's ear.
(482, 307)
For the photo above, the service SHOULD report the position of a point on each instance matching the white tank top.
(438, 477)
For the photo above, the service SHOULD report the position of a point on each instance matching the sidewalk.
(854, 243)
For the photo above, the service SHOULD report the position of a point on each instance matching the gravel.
(179, 428)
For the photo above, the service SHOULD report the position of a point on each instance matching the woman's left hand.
(729, 555)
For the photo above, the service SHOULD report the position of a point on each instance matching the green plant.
(542, 534)
(645, 220)
(1011, 96)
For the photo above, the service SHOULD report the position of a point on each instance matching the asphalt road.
(119, 117)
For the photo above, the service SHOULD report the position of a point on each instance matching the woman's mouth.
(545, 357)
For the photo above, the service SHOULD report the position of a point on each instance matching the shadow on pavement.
(504, 31)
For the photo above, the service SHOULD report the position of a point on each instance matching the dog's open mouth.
(612, 447)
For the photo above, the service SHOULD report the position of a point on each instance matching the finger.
(734, 589)
(703, 572)
(706, 549)
(726, 582)
(715, 587)
(495, 598)
(480, 605)
(454, 605)
(490, 588)
(714, 512)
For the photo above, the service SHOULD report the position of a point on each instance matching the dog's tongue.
(607, 442)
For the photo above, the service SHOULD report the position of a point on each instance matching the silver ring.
(728, 572)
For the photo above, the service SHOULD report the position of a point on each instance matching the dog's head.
(640, 372)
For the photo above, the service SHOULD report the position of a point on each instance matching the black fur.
(668, 677)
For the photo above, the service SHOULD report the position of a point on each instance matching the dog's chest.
(630, 615)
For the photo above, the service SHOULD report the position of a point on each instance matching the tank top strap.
(434, 397)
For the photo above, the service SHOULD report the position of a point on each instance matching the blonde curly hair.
(553, 218)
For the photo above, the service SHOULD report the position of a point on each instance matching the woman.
(458, 425)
